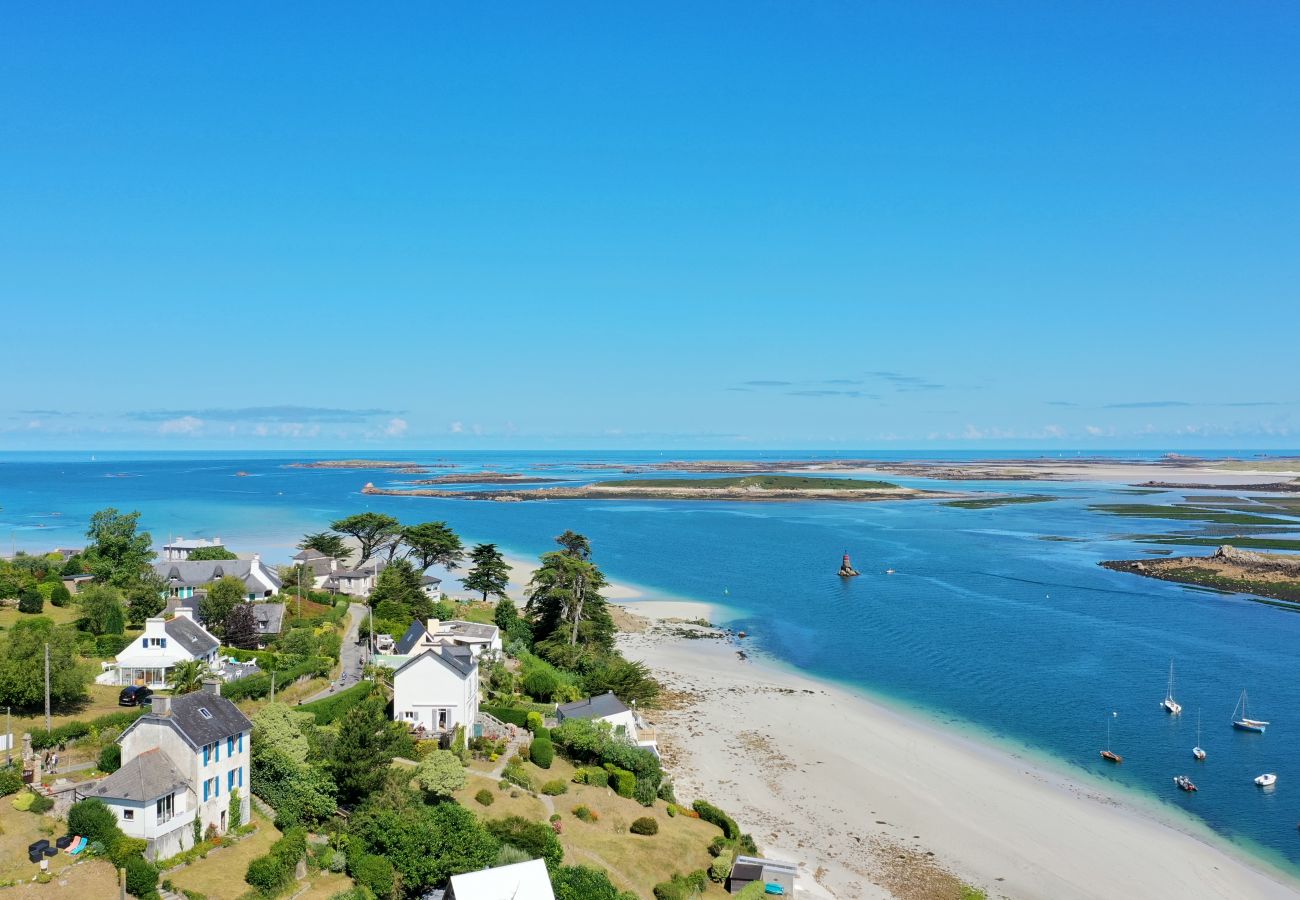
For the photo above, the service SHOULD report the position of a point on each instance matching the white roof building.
(521, 881)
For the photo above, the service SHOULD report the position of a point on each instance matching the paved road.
(351, 656)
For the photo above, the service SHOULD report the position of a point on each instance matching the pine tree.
(489, 574)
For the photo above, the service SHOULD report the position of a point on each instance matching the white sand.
(842, 785)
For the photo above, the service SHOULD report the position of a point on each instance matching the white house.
(622, 719)
(320, 565)
(149, 659)
(520, 881)
(476, 636)
(181, 548)
(357, 582)
(182, 761)
(435, 690)
(183, 577)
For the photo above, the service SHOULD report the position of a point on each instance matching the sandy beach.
(873, 803)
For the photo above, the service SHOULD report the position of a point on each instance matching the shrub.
(515, 774)
(272, 872)
(60, 596)
(539, 684)
(542, 734)
(585, 814)
(265, 875)
(645, 825)
(682, 887)
(584, 883)
(537, 839)
(484, 796)
(40, 804)
(11, 780)
(94, 821)
(542, 753)
(141, 877)
(110, 758)
(71, 731)
(375, 873)
(720, 868)
(644, 792)
(23, 801)
(533, 721)
(665, 792)
(672, 810)
(30, 601)
(107, 645)
(555, 788)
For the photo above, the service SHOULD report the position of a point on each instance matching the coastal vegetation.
(757, 482)
(992, 502)
(1269, 576)
(1181, 512)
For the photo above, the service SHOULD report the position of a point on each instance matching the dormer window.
(204, 713)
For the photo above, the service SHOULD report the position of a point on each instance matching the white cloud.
(395, 427)
(183, 425)
(457, 427)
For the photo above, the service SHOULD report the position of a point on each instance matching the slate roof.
(476, 630)
(191, 635)
(597, 707)
(147, 777)
(269, 616)
(406, 643)
(458, 658)
(187, 715)
(196, 572)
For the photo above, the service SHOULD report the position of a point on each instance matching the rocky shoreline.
(613, 492)
(1270, 576)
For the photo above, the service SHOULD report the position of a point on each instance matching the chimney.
(162, 706)
(434, 625)
(184, 612)
(212, 686)
(217, 541)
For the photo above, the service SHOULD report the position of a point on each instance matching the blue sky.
(720, 225)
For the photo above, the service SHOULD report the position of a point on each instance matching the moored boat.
(1184, 783)
(1244, 723)
(1108, 754)
(1268, 779)
(1197, 751)
(1172, 706)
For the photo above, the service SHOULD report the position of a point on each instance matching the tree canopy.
(441, 773)
(375, 532)
(367, 742)
(489, 573)
(565, 601)
(222, 597)
(240, 627)
(187, 676)
(22, 665)
(432, 543)
(211, 553)
(116, 554)
(101, 606)
(426, 843)
(326, 544)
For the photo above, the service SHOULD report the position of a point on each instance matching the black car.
(136, 695)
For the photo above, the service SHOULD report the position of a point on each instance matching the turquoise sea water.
(984, 623)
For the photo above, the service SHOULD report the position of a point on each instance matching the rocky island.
(747, 488)
(1270, 575)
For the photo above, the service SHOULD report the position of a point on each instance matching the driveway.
(352, 655)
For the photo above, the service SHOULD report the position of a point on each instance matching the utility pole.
(48, 727)
(272, 687)
(9, 736)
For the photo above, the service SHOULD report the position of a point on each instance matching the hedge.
(508, 714)
(331, 709)
(682, 887)
(621, 780)
(710, 813)
(273, 872)
(255, 687)
(373, 872)
(70, 731)
(141, 877)
(11, 780)
(592, 776)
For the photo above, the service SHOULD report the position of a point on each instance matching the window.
(216, 750)
(216, 787)
(207, 754)
(128, 815)
(204, 712)
(241, 776)
(166, 807)
(230, 746)
(207, 789)
(230, 781)
(241, 742)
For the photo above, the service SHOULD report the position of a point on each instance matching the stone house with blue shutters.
(183, 761)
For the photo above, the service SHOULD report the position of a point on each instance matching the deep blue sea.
(985, 625)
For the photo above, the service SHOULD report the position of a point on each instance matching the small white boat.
(1197, 751)
(1268, 779)
(889, 571)
(1172, 706)
(1184, 783)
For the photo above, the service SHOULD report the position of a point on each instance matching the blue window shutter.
(206, 787)
(207, 754)
(241, 776)
(216, 787)
(216, 746)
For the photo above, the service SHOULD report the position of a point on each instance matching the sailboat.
(1172, 706)
(1241, 723)
(1107, 754)
(1197, 751)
